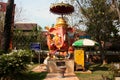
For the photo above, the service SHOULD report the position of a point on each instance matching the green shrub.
(1, 52)
(14, 62)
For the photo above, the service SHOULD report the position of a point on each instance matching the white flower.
(17, 64)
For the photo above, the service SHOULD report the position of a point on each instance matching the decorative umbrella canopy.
(85, 42)
(61, 8)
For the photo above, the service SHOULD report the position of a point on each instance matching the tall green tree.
(99, 23)
(7, 26)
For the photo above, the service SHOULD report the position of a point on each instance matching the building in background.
(25, 27)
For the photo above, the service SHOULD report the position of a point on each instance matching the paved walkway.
(55, 76)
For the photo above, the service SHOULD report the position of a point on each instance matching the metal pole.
(39, 57)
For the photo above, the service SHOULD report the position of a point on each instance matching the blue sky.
(37, 11)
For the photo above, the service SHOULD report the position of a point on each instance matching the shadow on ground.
(98, 67)
(31, 76)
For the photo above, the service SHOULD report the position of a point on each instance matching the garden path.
(55, 76)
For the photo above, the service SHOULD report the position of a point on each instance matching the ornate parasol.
(61, 8)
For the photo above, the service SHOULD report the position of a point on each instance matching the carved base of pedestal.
(52, 66)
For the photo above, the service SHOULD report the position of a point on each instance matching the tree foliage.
(98, 16)
(22, 39)
(100, 19)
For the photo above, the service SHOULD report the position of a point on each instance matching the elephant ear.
(52, 30)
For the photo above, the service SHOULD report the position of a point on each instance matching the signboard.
(35, 46)
(79, 57)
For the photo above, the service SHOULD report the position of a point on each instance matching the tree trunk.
(7, 26)
(116, 7)
(103, 52)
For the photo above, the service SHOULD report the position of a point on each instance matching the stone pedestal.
(52, 66)
(69, 66)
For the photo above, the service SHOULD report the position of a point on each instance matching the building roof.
(25, 26)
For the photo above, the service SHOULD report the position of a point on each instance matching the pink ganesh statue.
(60, 37)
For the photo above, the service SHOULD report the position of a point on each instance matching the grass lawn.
(97, 71)
(30, 75)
